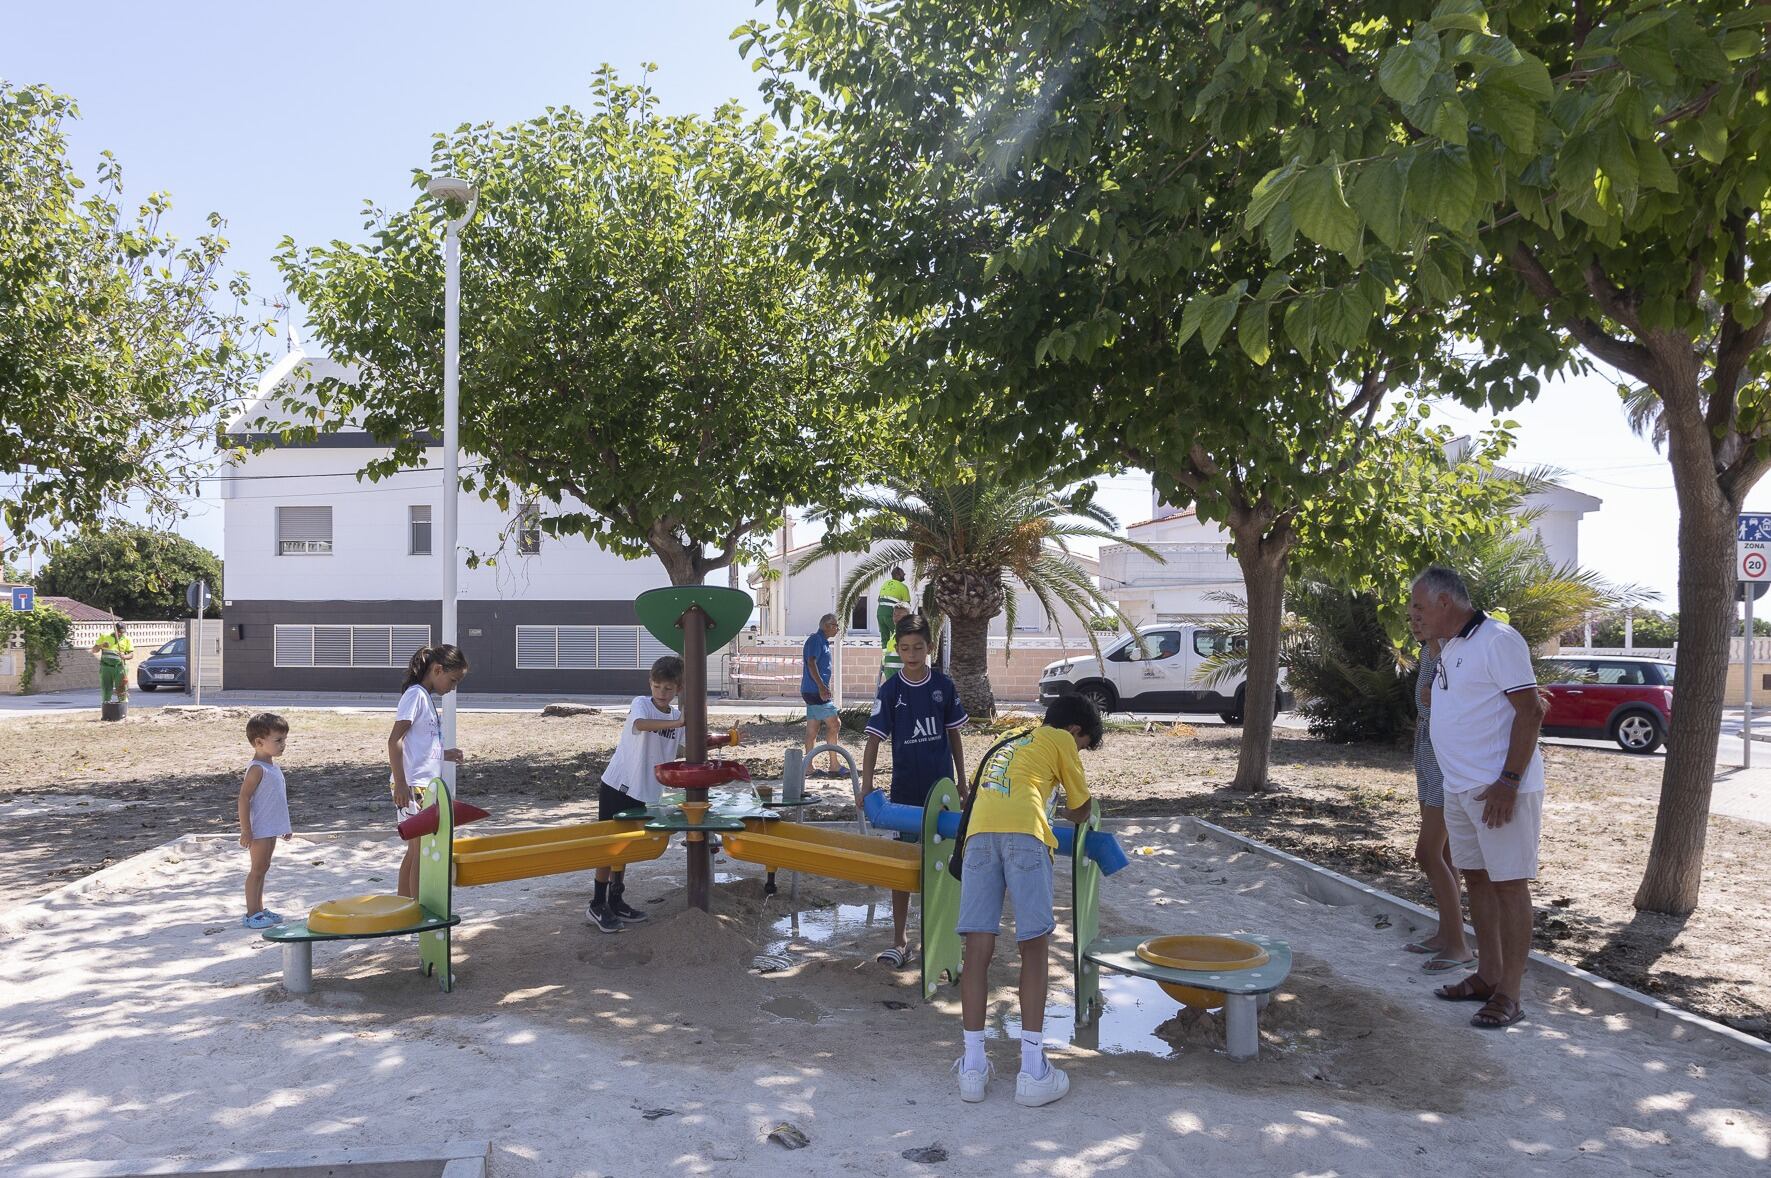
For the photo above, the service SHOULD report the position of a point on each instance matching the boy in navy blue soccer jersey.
(918, 710)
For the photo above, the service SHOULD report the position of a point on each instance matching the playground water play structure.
(1236, 975)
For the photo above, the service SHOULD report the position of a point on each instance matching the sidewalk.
(380, 701)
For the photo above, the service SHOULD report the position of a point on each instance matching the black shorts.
(611, 801)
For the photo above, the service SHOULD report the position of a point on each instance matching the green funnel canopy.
(727, 610)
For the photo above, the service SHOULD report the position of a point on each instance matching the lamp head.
(450, 188)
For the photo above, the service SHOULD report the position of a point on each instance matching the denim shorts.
(1016, 865)
(817, 707)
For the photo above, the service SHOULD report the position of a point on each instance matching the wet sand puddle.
(1135, 1019)
(826, 926)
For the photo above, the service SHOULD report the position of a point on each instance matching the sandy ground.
(140, 1021)
(76, 795)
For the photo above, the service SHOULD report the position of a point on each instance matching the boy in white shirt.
(652, 736)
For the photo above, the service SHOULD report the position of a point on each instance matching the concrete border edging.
(461, 1159)
(1331, 887)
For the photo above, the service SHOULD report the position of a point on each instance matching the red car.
(1622, 699)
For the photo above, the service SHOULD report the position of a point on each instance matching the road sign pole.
(196, 595)
(1746, 732)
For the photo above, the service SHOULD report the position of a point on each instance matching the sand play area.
(139, 1021)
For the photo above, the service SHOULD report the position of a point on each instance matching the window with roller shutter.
(347, 646)
(586, 648)
(304, 531)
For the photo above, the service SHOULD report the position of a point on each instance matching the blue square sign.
(1753, 527)
(24, 599)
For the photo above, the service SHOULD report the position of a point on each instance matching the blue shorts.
(817, 707)
(1016, 865)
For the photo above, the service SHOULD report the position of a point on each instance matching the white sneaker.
(1033, 1093)
(971, 1084)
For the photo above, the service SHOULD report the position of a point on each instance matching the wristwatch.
(1509, 778)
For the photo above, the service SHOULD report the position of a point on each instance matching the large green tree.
(1044, 191)
(118, 345)
(1598, 169)
(135, 572)
(641, 351)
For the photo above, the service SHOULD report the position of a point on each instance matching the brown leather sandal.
(1499, 1011)
(1471, 989)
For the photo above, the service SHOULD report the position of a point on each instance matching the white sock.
(1033, 1054)
(974, 1052)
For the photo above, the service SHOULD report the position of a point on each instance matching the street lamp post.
(447, 189)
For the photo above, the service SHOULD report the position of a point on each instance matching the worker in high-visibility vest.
(889, 662)
(894, 592)
(115, 652)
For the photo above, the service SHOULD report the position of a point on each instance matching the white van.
(1163, 673)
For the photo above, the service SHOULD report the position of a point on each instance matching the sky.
(284, 119)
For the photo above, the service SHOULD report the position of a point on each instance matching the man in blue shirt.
(816, 690)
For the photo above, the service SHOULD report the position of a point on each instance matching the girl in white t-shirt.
(415, 752)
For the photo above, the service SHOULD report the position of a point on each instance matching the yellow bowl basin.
(365, 914)
(1213, 954)
(1216, 954)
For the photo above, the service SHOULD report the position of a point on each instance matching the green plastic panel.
(436, 872)
(1085, 912)
(297, 930)
(675, 820)
(943, 949)
(728, 609)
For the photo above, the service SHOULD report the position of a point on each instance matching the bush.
(1352, 681)
(43, 634)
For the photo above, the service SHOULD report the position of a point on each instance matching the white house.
(1200, 573)
(792, 603)
(333, 581)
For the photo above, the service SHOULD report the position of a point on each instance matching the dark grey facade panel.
(488, 638)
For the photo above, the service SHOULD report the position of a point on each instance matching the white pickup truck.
(1162, 674)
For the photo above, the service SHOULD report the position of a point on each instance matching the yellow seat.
(365, 914)
(834, 854)
(498, 858)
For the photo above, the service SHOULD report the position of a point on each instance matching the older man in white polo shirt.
(1486, 716)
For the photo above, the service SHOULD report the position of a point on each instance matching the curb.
(461, 1159)
(1331, 887)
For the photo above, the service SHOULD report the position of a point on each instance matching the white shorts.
(1505, 852)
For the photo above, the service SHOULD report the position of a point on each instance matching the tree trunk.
(1706, 622)
(970, 665)
(1264, 560)
(679, 563)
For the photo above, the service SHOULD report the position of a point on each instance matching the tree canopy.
(1051, 197)
(641, 346)
(135, 572)
(1596, 170)
(118, 345)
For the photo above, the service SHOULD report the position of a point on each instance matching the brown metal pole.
(694, 701)
(694, 697)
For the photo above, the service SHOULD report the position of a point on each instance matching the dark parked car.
(164, 668)
(1622, 699)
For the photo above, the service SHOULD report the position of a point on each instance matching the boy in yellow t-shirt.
(1008, 851)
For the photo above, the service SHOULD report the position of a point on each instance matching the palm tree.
(967, 535)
